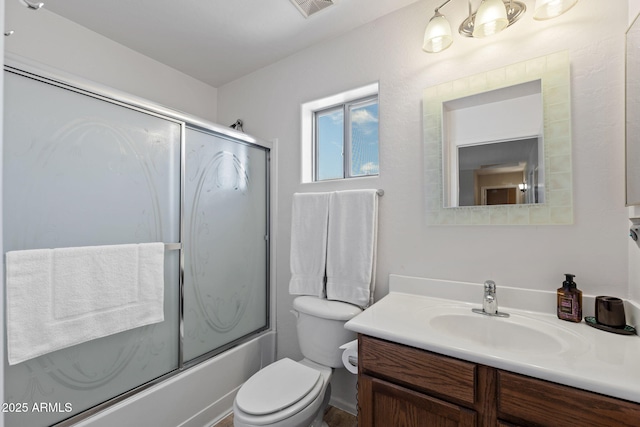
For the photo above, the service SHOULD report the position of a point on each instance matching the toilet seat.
(279, 390)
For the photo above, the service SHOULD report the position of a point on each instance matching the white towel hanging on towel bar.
(61, 297)
(352, 246)
(309, 216)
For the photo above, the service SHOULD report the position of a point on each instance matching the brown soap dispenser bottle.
(569, 300)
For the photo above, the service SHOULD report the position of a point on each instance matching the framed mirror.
(633, 114)
(498, 146)
(493, 147)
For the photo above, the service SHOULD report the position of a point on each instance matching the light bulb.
(437, 35)
(491, 18)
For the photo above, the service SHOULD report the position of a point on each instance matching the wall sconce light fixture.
(491, 17)
(523, 186)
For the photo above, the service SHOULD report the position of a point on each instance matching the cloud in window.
(369, 168)
(362, 117)
(335, 117)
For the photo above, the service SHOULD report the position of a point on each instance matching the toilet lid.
(278, 386)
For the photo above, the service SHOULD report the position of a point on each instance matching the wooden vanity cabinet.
(398, 386)
(388, 405)
(402, 386)
(529, 401)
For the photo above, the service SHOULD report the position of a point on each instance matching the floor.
(334, 417)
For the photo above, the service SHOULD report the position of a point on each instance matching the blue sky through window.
(364, 142)
(330, 145)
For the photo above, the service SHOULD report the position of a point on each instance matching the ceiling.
(218, 41)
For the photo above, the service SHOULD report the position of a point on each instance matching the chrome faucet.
(490, 301)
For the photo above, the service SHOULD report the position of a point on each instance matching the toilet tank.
(321, 329)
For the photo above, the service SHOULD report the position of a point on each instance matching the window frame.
(315, 144)
(347, 136)
(362, 102)
(344, 101)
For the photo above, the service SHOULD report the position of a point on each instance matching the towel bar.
(172, 246)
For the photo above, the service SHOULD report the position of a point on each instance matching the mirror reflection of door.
(504, 164)
(500, 196)
(499, 185)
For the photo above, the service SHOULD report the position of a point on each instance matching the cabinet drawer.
(439, 375)
(531, 401)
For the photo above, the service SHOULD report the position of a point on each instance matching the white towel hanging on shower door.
(61, 297)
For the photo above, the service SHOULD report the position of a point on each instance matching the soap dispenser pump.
(569, 300)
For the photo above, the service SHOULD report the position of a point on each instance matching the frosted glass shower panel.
(225, 282)
(80, 170)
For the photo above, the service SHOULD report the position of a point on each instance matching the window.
(340, 136)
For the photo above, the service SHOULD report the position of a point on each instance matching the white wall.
(388, 50)
(514, 118)
(2, 329)
(57, 42)
(634, 212)
(634, 10)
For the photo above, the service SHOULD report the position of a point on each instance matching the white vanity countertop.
(591, 359)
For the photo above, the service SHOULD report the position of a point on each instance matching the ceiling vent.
(309, 7)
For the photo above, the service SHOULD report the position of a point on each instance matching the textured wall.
(1, 236)
(388, 50)
(634, 10)
(634, 212)
(57, 42)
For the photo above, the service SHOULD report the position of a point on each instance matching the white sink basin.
(517, 333)
(435, 315)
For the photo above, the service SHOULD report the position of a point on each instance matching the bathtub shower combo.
(87, 167)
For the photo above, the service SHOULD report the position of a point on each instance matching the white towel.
(351, 247)
(57, 298)
(310, 213)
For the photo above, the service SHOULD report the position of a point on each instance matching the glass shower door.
(82, 171)
(225, 242)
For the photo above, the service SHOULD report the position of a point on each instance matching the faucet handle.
(489, 301)
(489, 286)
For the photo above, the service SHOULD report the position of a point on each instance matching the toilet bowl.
(287, 393)
(284, 394)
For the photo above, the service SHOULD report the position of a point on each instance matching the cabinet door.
(529, 401)
(384, 404)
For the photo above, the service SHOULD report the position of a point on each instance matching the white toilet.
(295, 394)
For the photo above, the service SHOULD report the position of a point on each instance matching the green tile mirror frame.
(557, 209)
(632, 145)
